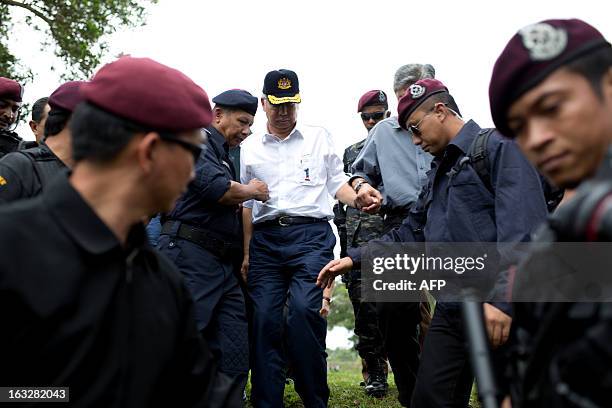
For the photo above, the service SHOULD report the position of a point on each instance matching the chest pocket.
(470, 205)
(309, 171)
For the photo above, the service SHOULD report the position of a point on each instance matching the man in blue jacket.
(459, 205)
(202, 235)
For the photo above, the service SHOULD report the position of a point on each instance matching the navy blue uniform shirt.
(461, 208)
(199, 206)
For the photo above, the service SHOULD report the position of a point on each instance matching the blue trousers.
(219, 303)
(283, 266)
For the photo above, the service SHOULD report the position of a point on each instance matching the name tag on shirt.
(305, 173)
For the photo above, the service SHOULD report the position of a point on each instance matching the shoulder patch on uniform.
(2, 181)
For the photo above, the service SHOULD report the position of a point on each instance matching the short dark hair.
(38, 109)
(98, 135)
(56, 121)
(226, 108)
(593, 67)
(443, 97)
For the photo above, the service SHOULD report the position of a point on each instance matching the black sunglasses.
(415, 128)
(374, 115)
(194, 149)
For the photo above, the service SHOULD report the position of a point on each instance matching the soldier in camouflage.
(356, 228)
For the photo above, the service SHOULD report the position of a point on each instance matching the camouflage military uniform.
(356, 228)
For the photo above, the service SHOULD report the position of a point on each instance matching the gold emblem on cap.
(2, 181)
(284, 83)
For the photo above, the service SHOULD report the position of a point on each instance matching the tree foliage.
(74, 29)
(341, 313)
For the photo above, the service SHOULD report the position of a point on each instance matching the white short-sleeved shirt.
(301, 172)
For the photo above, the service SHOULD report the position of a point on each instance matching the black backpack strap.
(26, 144)
(34, 167)
(44, 169)
(479, 157)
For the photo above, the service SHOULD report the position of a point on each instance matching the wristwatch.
(328, 299)
(359, 184)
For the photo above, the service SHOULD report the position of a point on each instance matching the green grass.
(343, 380)
(345, 390)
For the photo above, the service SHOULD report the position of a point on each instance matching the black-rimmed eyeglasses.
(194, 149)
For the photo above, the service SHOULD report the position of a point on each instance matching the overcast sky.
(339, 49)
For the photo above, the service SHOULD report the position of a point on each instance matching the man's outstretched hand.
(332, 269)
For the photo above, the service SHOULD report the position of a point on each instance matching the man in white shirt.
(287, 241)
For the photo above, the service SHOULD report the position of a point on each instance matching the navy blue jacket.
(461, 208)
(199, 206)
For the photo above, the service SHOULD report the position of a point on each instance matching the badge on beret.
(543, 41)
(381, 97)
(416, 91)
(284, 83)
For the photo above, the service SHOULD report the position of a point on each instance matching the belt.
(199, 236)
(287, 220)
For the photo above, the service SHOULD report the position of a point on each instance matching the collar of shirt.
(217, 139)
(269, 137)
(9, 134)
(466, 136)
(394, 122)
(459, 145)
(391, 121)
(47, 150)
(79, 220)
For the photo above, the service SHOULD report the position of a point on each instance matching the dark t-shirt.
(77, 309)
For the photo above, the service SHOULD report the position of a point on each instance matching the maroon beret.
(67, 96)
(415, 95)
(10, 89)
(149, 93)
(532, 54)
(374, 97)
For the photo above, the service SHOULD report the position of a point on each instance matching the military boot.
(376, 384)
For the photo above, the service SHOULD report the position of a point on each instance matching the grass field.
(343, 379)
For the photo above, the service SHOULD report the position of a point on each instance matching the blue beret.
(238, 99)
